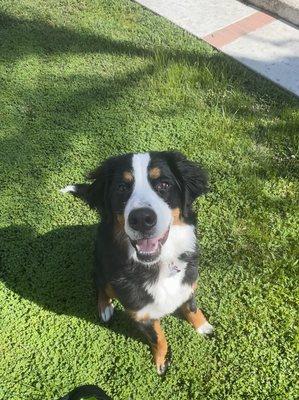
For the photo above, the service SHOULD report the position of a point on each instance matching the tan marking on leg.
(156, 337)
(127, 176)
(133, 315)
(177, 217)
(105, 305)
(160, 348)
(110, 291)
(196, 319)
(155, 173)
(103, 301)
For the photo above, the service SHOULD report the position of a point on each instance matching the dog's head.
(143, 195)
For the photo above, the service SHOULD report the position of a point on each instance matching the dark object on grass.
(86, 392)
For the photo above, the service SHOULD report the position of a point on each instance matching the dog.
(146, 252)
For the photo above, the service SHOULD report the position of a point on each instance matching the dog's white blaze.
(168, 291)
(143, 195)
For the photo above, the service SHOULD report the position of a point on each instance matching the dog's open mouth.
(149, 249)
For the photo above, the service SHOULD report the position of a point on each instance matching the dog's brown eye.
(123, 187)
(162, 186)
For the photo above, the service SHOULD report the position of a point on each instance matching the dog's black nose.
(142, 219)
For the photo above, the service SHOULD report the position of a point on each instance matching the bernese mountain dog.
(146, 252)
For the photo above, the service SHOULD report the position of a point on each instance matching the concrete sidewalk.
(286, 9)
(256, 39)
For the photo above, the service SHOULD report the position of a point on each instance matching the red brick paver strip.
(233, 31)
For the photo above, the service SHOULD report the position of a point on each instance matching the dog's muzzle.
(149, 249)
(144, 220)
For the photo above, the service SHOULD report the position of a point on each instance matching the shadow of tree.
(59, 114)
(49, 270)
(21, 37)
(55, 272)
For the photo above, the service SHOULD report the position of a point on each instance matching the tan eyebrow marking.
(128, 177)
(155, 173)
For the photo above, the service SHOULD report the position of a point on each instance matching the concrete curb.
(286, 9)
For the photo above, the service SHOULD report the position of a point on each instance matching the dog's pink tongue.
(147, 245)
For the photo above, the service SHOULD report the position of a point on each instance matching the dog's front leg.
(156, 336)
(105, 305)
(196, 317)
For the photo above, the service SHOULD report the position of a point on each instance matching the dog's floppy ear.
(191, 178)
(94, 194)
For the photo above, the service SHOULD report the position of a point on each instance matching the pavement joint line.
(230, 33)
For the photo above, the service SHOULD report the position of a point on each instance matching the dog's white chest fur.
(168, 291)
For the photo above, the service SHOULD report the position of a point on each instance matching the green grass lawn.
(83, 80)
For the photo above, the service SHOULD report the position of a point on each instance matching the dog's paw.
(205, 329)
(163, 366)
(107, 313)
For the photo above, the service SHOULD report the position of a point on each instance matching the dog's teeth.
(144, 253)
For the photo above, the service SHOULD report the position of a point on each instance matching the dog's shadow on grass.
(54, 270)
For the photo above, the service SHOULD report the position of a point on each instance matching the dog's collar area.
(173, 269)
